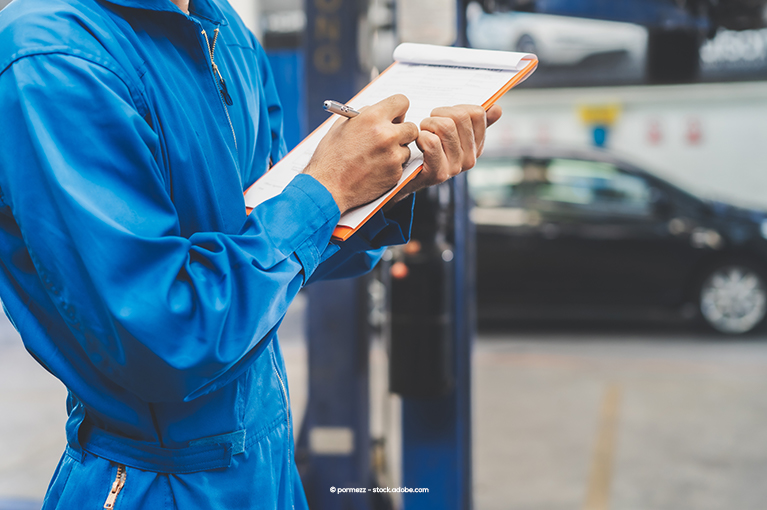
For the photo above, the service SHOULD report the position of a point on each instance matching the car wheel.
(733, 299)
(526, 44)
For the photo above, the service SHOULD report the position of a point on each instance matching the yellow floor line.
(598, 494)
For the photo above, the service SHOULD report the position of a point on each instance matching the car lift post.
(436, 389)
(430, 359)
(333, 449)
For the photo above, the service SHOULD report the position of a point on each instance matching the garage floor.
(621, 418)
(629, 421)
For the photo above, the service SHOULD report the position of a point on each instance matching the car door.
(569, 232)
(509, 245)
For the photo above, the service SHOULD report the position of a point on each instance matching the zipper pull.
(227, 98)
(117, 486)
(224, 92)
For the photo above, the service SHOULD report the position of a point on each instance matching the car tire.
(732, 298)
(526, 44)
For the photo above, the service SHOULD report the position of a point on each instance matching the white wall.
(249, 11)
(708, 138)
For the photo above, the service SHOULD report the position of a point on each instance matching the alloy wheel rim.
(733, 299)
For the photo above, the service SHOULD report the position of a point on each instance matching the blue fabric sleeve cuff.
(309, 252)
(313, 216)
(389, 228)
(358, 254)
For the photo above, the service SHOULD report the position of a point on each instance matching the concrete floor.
(592, 419)
(686, 429)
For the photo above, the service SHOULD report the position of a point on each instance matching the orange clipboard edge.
(344, 232)
(532, 65)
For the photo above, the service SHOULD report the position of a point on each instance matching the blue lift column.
(333, 450)
(433, 325)
(430, 359)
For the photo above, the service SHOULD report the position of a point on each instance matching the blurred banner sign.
(605, 115)
(600, 118)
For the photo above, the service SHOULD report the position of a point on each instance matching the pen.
(340, 109)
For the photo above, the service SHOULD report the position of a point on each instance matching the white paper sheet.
(462, 57)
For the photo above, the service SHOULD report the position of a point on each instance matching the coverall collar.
(200, 8)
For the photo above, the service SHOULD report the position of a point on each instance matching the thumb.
(493, 114)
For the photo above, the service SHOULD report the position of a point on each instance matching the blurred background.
(616, 261)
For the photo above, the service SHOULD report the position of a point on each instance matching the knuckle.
(464, 116)
(470, 161)
(376, 131)
(383, 136)
(414, 131)
(477, 112)
(393, 158)
(444, 125)
(431, 142)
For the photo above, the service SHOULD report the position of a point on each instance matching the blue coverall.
(128, 263)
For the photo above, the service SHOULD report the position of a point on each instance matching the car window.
(492, 181)
(564, 186)
(597, 187)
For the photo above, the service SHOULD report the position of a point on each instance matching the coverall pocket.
(79, 484)
(59, 480)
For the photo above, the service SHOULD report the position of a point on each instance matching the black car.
(583, 234)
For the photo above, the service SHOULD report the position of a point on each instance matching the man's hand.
(451, 141)
(361, 158)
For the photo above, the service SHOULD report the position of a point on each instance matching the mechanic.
(128, 132)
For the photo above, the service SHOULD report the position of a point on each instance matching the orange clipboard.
(343, 232)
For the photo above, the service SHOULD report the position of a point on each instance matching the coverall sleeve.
(165, 316)
(362, 251)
